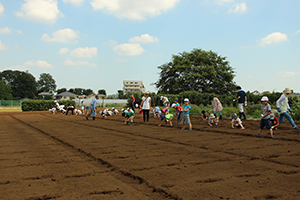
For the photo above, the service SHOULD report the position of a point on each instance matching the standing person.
(82, 106)
(266, 110)
(186, 114)
(132, 102)
(93, 108)
(242, 100)
(146, 105)
(283, 106)
(216, 105)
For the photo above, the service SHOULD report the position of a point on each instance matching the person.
(82, 106)
(146, 105)
(213, 120)
(242, 101)
(52, 110)
(128, 116)
(106, 113)
(168, 118)
(236, 122)
(115, 111)
(93, 108)
(132, 102)
(217, 106)
(266, 110)
(283, 106)
(274, 121)
(86, 109)
(165, 101)
(70, 108)
(78, 112)
(156, 112)
(186, 114)
(204, 115)
(179, 112)
(176, 102)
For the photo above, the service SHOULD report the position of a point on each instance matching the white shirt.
(146, 103)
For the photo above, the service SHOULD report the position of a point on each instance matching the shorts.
(82, 107)
(265, 122)
(180, 116)
(131, 118)
(186, 119)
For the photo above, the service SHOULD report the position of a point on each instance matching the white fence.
(102, 102)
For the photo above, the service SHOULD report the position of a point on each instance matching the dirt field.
(45, 156)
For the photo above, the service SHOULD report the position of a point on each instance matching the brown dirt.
(45, 156)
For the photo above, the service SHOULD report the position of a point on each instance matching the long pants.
(92, 112)
(288, 116)
(132, 106)
(215, 113)
(72, 109)
(146, 112)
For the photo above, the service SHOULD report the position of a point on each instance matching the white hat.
(287, 90)
(212, 116)
(173, 105)
(113, 108)
(186, 99)
(161, 97)
(264, 98)
(122, 109)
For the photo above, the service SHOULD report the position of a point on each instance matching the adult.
(283, 106)
(146, 105)
(93, 108)
(70, 108)
(217, 106)
(132, 102)
(242, 101)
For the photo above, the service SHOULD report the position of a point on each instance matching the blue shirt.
(94, 102)
(186, 107)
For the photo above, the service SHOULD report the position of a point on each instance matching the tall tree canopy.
(198, 70)
(22, 84)
(46, 83)
(102, 91)
(5, 91)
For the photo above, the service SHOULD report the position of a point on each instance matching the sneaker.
(87, 118)
(191, 129)
(296, 128)
(243, 128)
(258, 134)
(272, 136)
(183, 128)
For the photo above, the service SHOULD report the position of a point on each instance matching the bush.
(40, 105)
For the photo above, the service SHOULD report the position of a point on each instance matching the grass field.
(10, 109)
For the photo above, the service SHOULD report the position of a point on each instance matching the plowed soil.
(45, 156)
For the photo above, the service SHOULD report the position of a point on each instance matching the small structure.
(65, 96)
(256, 92)
(43, 94)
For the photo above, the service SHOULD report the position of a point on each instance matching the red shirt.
(179, 109)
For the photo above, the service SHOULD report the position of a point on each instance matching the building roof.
(45, 94)
(66, 94)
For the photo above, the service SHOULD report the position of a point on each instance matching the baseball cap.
(264, 98)
(173, 105)
(186, 99)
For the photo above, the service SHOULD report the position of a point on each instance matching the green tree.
(102, 91)
(5, 91)
(198, 70)
(120, 94)
(61, 90)
(88, 91)
(22, 84)
(46, 83)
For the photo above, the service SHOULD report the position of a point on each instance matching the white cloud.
(145, 38)
(5, 30)
(1, 8)
(18, 67)
(239, 8)
(39, 64)
(273, 38)
(224, 1)
(2, 46)
(133, 9)
(287, 74)
(111, 43)
(63, 51)
(298, 31)
(42, 11)
(84, 52)
(74, 2)
(76, 63)
(66, 35)
(129, 49)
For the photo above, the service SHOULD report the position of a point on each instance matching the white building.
(133, 86)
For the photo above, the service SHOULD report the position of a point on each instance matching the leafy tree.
(120, 94)
(5, 91)
(102, 91)
(78, 91)
(61, 90)
(46, 83)
(198, 70)
(22, 84)
(88, 91)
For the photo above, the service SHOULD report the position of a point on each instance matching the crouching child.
(213, 120)
(128, 116)
(167, 119)
(236, 122)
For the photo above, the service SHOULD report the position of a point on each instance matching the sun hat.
(186, 99)
(234, 115)
(287, 90)
(147, 92)
(211, 116)
(264, 98)
(173, 105)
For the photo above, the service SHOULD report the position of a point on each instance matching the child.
(168, 118)
(156, 112)
(115, 111)
(52, 110)
(236, 122)
(82, 106)
(78, 112)
(265, 116)
(186, 114)
(204, 115)
(141, 111)
(128, 116)
(212, 120)
(179, 112)
(176, 102)
(274, 121)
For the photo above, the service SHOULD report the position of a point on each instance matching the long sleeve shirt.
(283, 103)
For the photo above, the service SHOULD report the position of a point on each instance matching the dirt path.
(44, 156)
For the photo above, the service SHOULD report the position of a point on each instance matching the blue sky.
(99, 43)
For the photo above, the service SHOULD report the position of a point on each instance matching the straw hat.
(287, 90)
(211, 116)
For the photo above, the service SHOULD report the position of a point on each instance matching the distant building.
(256, 92)
(65, 96)
(133, 86)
